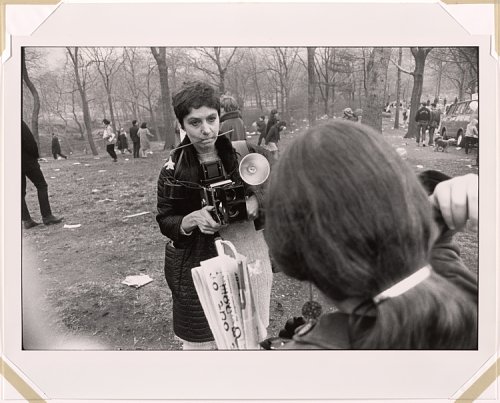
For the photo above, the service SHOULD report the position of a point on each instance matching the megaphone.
(254, 169)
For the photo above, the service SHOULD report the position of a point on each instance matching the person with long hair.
(144, 135)
(347, 214)
(190, 228)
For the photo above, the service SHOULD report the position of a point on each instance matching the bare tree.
(311, 87)
(283, 62)
(376, 74)
(81, 70)
(160, 56)
(108, 63)
(34, 93)
(419, 55)
(220, 59)
(398, 89)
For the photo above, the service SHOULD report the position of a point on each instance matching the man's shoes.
(115, 160)
(30, 224)
(51, 220)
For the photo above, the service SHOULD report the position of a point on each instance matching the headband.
(404, 285)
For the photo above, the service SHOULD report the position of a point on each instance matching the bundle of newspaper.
(235, 296)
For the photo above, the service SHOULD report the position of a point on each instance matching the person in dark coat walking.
(261, 128)
(273, 137)
(273, 119)
(136, 141)
(56, 147)
(422, 117)
(30, 168)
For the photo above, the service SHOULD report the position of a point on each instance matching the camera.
(227, 197)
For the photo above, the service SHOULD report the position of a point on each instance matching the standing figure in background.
(261, 128)
(56, 147)
(30, 168)
(274, 118)
(405, 115)
(110, 138)
(136, 141)
(434, 122)
(422, 118)
(471, 136)
(273, 137)
(123, 142)
(144, 135)
(231, 119)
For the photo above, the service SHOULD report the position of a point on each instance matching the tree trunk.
(160, 56)
(375, 87)
(36, 98)
(85, 104)
(111, 110)
(311, 87)
(398, 90)
(419, 54)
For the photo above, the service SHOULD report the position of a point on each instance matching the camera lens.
(230, 194)
(233, 212)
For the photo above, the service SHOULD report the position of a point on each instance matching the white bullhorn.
(254, 169)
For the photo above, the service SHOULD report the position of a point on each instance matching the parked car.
(456, 119)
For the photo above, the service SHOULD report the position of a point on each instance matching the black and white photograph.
(204, 198)
(249, 201)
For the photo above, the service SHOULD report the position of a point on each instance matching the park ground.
(73, 296)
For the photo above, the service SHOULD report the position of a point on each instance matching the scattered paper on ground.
(101, 170)
(52, 177)
(95, 190)
(87, 165)
(80, 179)
(137, 281)
(106, 200)
(135, 215)
(76, 163)
(420, 166)
(57, 169)
(71, 226)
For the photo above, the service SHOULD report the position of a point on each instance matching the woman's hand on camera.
(252, 207)
(457, 200)
(202, 219)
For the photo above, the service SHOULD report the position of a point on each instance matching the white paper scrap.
(101, 170)
(135, 215)
(57, 169)
(71, 226)
(420, 166)
(76, 163)
(137, 281)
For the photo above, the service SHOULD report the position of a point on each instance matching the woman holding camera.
(368, 239)
(191, 228)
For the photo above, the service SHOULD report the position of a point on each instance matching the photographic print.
(201, 199)
(105, 123)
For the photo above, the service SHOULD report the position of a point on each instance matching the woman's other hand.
(252, 207)
(202, 219)
(457, 201)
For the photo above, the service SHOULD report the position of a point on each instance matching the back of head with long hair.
(345, 212)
